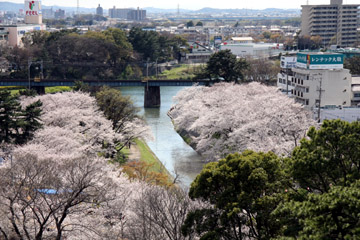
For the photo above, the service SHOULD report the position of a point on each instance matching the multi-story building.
(320, 80)
(127, 14)
(285, 77)
(99, 11)
(48, 13)
(137, 15)
(335, 23)
(13, 33)
(60, 14)
(121, 13)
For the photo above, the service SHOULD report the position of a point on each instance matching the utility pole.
(320, 90)
(29, 65)
(156, 69)
(287, 81)
(147, 67)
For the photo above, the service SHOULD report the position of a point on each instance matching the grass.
(15, 90)
(57, 89)
(184, 71)
(125, 151)
(149, 157)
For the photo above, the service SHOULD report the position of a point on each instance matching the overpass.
(151, 87)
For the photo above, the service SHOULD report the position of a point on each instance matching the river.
(168, 146)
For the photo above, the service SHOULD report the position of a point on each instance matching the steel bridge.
(151, 87)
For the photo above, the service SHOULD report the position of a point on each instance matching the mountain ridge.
(14, 7)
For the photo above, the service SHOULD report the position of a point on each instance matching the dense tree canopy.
(17, 125)
(329, 157)
(313, 194)
(110, 54)
(327, 165)
(244, 189)
(224, 64)
(155, 47)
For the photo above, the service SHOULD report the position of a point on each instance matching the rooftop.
(242, 39)
(319, 53)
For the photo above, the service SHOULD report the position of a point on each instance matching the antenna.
(307, 2)
(178, 10)
(77, 8)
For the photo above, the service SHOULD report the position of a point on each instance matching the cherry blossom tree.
(228, 118)
(74, 125)
(60, 185)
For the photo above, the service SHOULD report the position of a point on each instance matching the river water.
(168, 146)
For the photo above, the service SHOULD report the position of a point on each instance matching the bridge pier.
(39, 89)
(152, 97)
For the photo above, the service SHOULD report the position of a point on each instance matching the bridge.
(151, 87)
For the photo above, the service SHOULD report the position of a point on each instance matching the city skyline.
(187, 4)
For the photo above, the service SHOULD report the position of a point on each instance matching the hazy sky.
(188, 4)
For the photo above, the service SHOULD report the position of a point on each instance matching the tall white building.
(319, 79)
(335, 23)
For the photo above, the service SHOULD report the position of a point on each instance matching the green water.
(168, 146)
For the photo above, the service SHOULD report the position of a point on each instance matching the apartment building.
(127, 14)
(99, 11)
(336, 23)
(120, 13)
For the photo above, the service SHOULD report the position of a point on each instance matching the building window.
(356, 94)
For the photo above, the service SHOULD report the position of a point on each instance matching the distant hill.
(161, 10)
(14, 7)
(249, 11)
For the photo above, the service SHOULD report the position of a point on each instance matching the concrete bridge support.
(152, 97)
(39, 89)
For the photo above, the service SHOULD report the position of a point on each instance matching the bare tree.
(160, 213)
(262, 70)
(39, 197)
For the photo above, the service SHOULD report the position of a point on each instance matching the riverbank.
(140, 151)
(177, 156)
